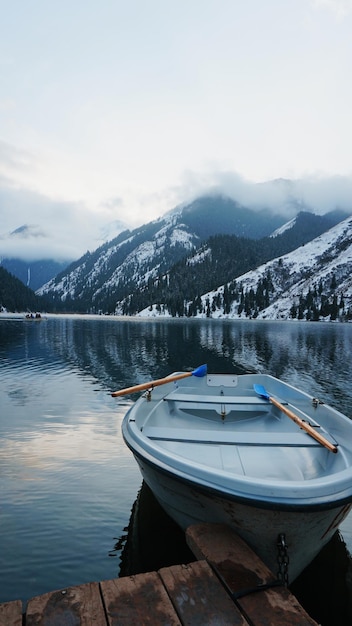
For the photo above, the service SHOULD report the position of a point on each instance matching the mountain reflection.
(120, 352)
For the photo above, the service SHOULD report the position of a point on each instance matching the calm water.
(68, 482)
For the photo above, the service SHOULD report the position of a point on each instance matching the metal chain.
(282, 559)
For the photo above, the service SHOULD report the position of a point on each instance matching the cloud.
(103, 113)
(340, 8)
(325, 193)
(13, 159)
(316, 193)
(34, 226)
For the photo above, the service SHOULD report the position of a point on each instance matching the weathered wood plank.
(240, 568)
(198, 596)
(138, 600)
(74, 606)
(11, 613)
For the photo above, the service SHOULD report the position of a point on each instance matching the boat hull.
(305, 532)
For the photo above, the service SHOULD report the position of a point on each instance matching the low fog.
(35, 227)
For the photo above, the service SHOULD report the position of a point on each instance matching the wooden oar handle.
(151, 384)
(305, 426)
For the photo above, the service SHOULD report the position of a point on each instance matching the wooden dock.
(228, 585)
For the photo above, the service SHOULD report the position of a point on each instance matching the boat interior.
(227, 426)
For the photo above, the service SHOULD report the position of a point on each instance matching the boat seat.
(174, 396)
(245, 438)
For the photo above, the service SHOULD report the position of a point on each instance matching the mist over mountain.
(136, 257)
(36, 227)
(189, 262)
(171, 262)
(218, 214)
(29, 241)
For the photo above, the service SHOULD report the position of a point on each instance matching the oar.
(261, 391)
(199, 372)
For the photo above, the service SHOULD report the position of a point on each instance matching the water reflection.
(68, 481)
(314, 357)
(115, 353)
(118, 351)
(153, 540)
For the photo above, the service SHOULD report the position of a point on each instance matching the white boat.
(249, 451)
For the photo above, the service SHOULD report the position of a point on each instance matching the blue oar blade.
(200, 371)
(261, 391)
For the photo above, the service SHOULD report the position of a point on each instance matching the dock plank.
(224, 587)
(199, 597)
(240, 569)
(11, 613)
(74, 606)
(141, 600)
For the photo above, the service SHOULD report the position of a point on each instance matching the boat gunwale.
(147, 451)
(268, 503)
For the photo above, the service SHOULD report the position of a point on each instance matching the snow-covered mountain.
(161, 267)
(131, 260)
(117, 268)
(312, 282)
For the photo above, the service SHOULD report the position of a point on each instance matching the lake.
(68, 482)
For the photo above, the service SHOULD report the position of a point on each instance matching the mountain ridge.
(166, 263)
(313, 282)
(120, 266)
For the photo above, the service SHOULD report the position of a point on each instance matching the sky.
(119, 110)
